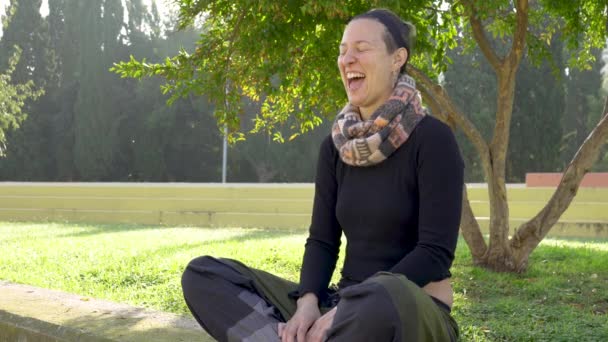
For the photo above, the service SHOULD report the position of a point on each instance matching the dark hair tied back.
(400, 33)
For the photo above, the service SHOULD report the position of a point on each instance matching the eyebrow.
(358, 42)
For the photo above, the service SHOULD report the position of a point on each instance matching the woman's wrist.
(308, 299)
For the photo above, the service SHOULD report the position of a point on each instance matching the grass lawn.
(562, 297)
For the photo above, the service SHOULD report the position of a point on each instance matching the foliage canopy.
(283, 52)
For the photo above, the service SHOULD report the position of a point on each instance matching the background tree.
(285, 52)
(539, 106)
(583, 104)
(582, 87)
(25, 28)
(269, 161)
(470, 74)
(602, 164)
(12, 99)
(90, 124)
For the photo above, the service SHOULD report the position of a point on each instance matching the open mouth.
(354, 80)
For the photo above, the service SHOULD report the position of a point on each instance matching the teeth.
(351, 75)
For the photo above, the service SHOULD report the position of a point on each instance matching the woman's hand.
(318, 332)
(296, 328)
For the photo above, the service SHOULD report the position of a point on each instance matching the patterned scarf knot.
(369, 142)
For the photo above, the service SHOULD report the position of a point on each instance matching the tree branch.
(471, 231)
(481, 38)
(437, 110)
(440, 96)
(235, 32)
(519, 37)
(446, 110)
(529, 235)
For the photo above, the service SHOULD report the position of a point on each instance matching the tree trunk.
(469, 227)
(499, 256)
(502, 253)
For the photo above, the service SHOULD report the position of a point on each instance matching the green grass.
(562, 297)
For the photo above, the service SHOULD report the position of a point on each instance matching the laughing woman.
(390, 178)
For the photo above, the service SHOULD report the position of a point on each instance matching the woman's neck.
(367, 112)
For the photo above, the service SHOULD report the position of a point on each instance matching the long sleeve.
(440, 172)
(323, 243)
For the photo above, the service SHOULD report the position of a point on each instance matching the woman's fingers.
(294, 331)
(302, 330)
(290, 332)
(316, 332)
(311, 335)
(296, 328)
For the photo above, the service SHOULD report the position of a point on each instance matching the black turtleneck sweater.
(401, 215)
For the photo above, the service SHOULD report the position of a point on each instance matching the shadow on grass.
(100, 228)
(562, 297)
(41, 229)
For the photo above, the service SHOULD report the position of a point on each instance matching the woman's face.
(368, 71)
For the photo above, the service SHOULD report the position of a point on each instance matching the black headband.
(391, 25)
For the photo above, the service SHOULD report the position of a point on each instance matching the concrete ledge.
(32, 314)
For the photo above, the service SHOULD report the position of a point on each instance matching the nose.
(349, 58)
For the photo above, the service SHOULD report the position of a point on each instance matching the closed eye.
(359, 47)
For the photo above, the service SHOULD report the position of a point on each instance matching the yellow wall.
(246, 205)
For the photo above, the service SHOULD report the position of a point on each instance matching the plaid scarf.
(369, 142)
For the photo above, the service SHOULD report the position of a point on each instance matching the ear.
(399, 58)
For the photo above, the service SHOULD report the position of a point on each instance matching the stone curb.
(32, 314)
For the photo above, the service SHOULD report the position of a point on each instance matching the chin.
(355, 100)
(357, 103)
